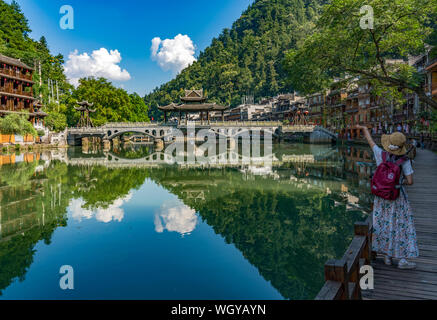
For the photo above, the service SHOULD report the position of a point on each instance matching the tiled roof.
(13, 62)
(193, 107)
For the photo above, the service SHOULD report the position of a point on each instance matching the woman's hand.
(366, 135)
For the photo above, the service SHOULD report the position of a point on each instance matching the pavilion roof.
(193, 107)
(193, 96)
(85, 104)
(84, 109)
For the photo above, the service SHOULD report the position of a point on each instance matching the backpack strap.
(384, 156)
(401, 161)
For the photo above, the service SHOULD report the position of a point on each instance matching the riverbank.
(35, 147)
(429, 140)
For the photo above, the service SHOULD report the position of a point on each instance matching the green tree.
(341, 48)
(56, 121)
(15, 42)
(17, 124)
(112, 104)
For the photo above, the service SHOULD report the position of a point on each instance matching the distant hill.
(246, 59)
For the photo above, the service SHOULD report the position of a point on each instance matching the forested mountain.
(246, 59)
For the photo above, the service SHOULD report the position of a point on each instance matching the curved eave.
(85, 103)
(170, 107)
(85, 109)
(192, 108)
(193, 99)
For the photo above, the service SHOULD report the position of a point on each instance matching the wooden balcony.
(15, 75)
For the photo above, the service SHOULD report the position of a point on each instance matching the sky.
(138, 45)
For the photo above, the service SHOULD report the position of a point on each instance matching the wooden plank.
(353, 253)
(393, 283)
(390, 282)
(330, 291)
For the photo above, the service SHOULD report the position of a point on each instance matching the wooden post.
(336, 270)
(362, 229)
(207, 115)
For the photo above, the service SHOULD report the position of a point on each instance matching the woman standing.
(394, 234)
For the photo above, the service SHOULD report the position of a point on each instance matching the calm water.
(135, 229)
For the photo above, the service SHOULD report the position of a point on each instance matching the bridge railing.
(298, 128)
(130, 124)
(343, 276)
(237, 123)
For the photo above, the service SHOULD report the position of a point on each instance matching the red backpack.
(385, 181)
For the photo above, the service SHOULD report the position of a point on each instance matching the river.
(135, 228)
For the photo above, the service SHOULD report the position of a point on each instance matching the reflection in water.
(175, 217)
(286, 220)
(113, 212)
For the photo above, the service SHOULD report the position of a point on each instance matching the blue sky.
(129, 26)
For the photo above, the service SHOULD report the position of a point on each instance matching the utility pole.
(40, 80)
(57, 91)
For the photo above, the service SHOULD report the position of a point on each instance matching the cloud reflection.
(114, 212)
(175, 217)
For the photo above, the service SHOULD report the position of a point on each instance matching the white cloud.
(101, 63)
(173, 54)
(113, 213)
(175, 217)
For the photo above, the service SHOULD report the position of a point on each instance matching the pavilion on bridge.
(194, 102)
(84, 108)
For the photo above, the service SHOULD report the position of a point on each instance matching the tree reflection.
(286, 224)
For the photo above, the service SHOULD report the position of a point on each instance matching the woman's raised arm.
(367, 135)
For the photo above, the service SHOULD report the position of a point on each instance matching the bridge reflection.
(287, 218)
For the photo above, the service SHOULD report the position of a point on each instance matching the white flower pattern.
(394, 233)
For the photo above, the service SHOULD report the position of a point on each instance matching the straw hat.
(394, 143)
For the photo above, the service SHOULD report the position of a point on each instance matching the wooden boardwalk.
(395, 284)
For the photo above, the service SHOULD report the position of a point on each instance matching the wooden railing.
(343, 276)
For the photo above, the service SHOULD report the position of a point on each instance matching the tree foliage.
(112, 104)
(341, 48)
(56, 121)
(15, 42)
(246, 59)
(17, 124)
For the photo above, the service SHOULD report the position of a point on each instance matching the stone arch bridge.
(170, 132)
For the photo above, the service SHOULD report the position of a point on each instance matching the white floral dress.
(394, 233)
